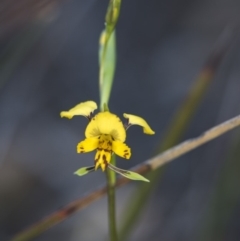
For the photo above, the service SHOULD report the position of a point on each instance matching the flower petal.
(130, 175)
(84, 108)
(89, 144)
(102, 158)
(121, 149)
(84, 170)
(106, 123)
(136, 120)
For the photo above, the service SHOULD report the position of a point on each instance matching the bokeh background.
(49, 63)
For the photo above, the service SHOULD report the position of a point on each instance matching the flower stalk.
(111, 194)
(111, 182)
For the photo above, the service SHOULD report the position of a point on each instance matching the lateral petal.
(84, 170)
(136, 120)
(121, 149)
(84, 109)
(128, 174)
(89, 144)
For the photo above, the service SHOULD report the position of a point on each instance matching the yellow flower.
(106, 133)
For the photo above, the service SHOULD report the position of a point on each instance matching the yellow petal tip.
(65, 114)
(149, 131)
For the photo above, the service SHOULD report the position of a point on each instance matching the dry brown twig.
(149, 165)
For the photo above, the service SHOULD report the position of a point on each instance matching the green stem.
(111, 181)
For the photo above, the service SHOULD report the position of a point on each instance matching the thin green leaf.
(107, 56)
(84, 170)
(128, 174)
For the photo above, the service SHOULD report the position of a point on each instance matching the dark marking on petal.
(90, 168)
(105, 160)
(106, 150)
(97, 159)
(125, 155)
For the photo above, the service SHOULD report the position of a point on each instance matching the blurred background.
(49, 63)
